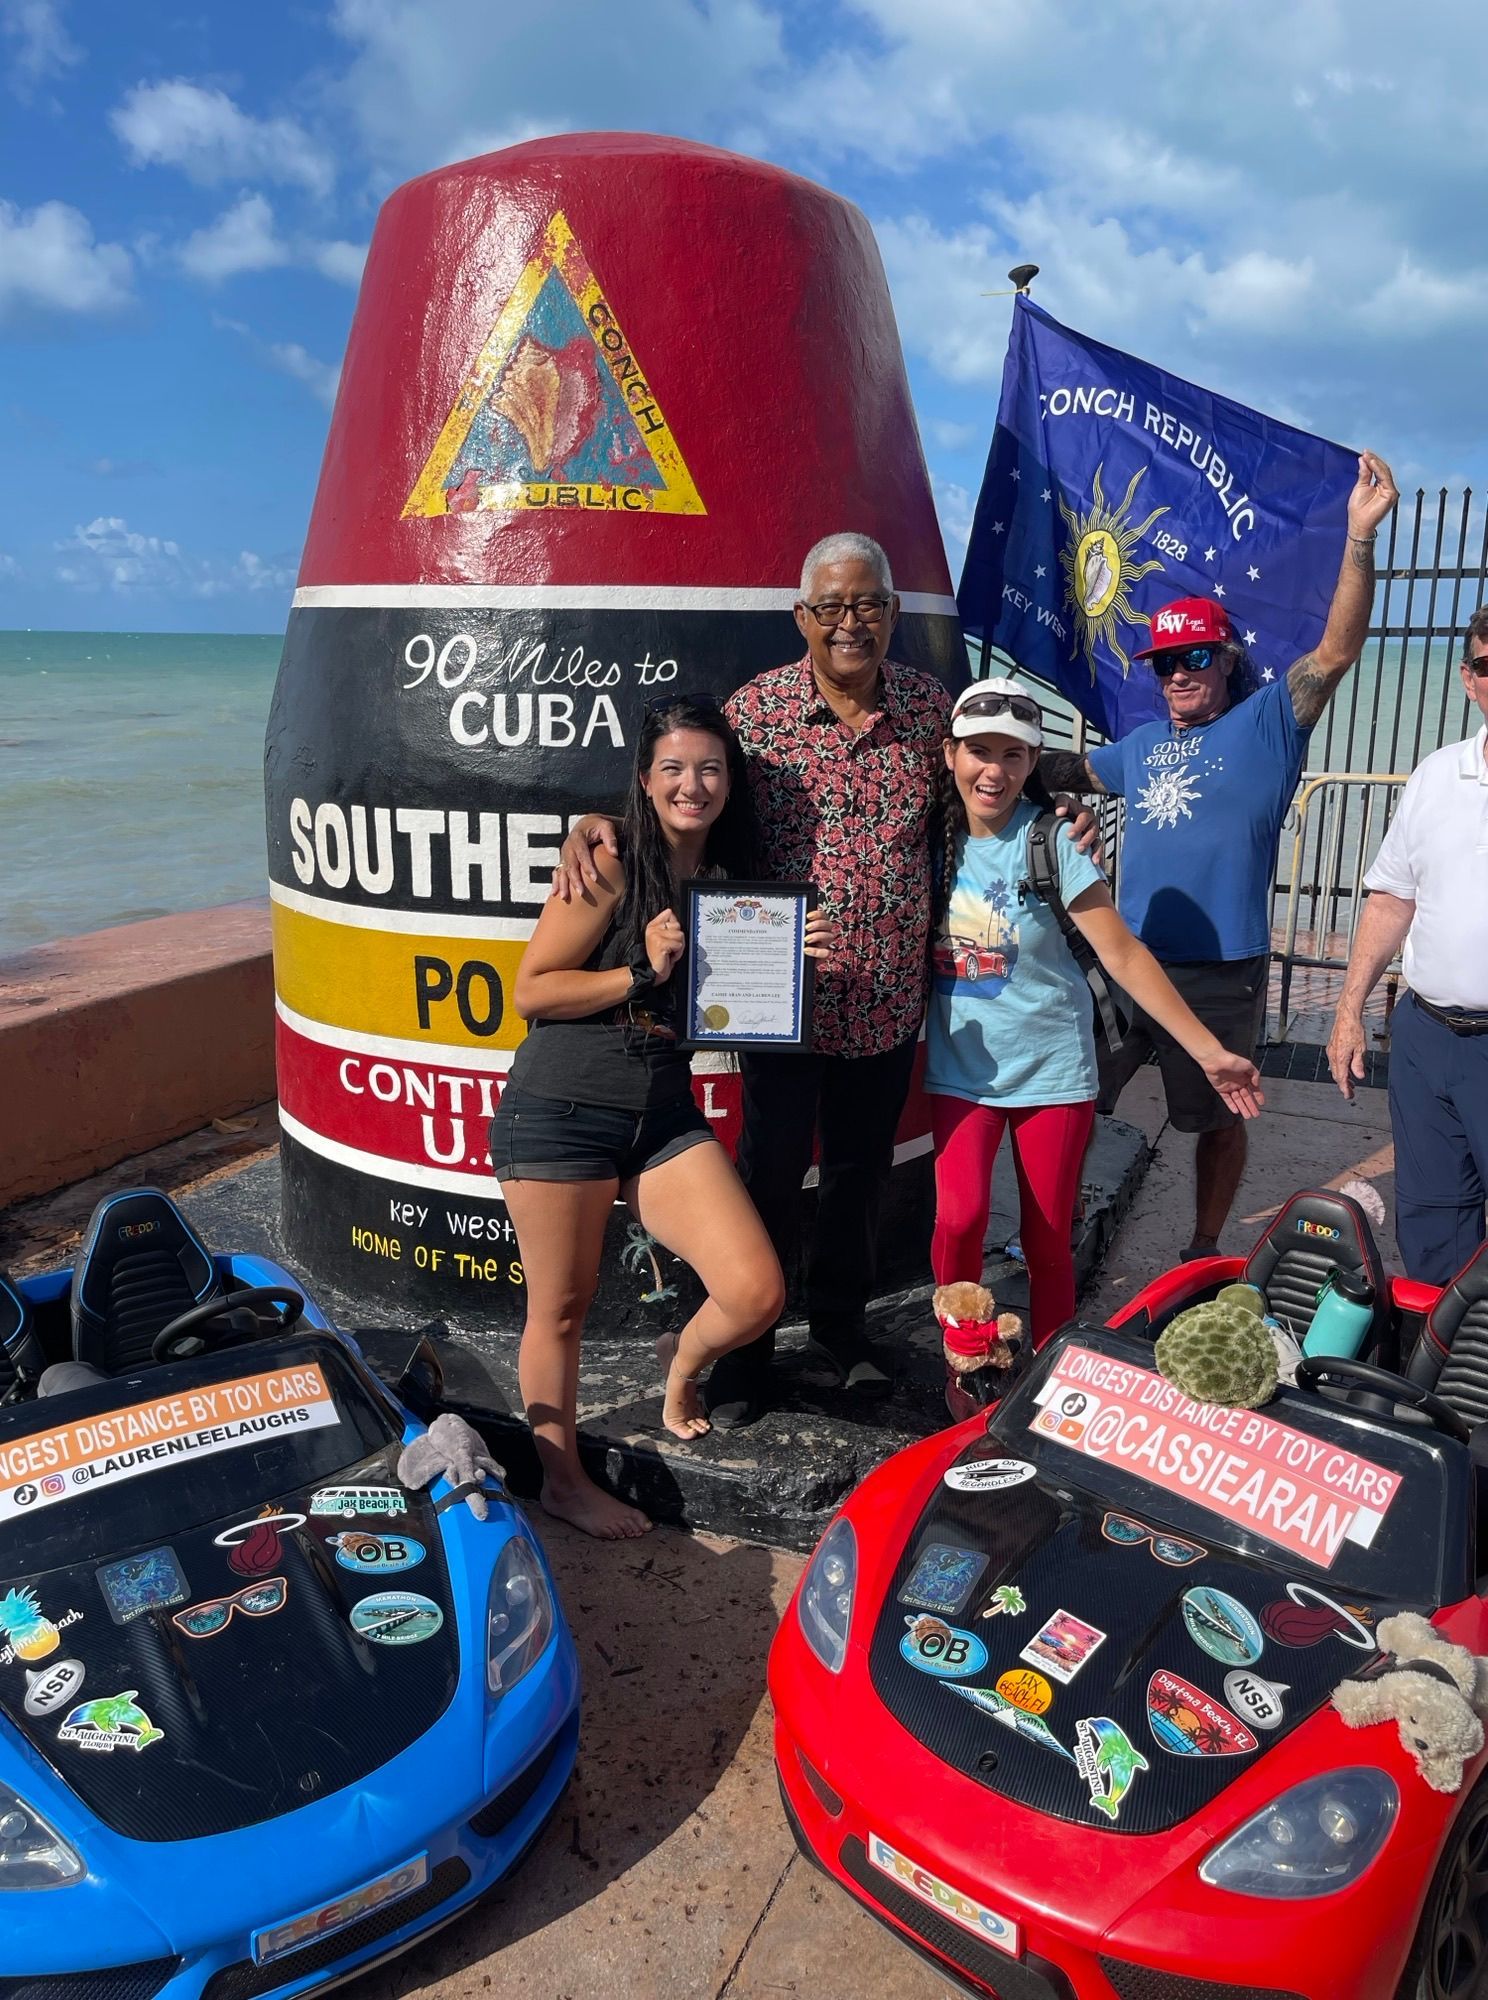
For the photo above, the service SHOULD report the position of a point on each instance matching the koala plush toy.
(1431, 1690)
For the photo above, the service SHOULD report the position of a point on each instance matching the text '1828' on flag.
(1111, 489)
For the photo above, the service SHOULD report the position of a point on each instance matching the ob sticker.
(988, 1475)
(356, 1549)
(1222, 1627)
(937, 1648)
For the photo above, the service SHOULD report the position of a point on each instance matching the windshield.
(1303, 1481)
(113, 1466)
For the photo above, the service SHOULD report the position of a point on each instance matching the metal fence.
(1402, 701)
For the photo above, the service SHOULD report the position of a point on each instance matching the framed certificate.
(749, 981)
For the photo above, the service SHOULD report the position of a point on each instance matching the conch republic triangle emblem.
(556, 411)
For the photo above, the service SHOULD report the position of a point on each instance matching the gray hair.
(846, 548)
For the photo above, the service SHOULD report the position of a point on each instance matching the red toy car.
(1052, 1697)
(964, 958)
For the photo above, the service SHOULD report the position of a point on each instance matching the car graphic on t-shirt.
(963, 958)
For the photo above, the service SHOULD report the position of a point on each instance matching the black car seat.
(21, 1358)
(1451, 1357)
(141, 1266)
(1314, 1233)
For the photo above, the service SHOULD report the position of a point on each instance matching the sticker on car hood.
(989, 1475)
(944, 1650)
(1191, 1723)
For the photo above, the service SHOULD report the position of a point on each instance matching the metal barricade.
(1340, 819)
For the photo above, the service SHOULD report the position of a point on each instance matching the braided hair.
(948, 825)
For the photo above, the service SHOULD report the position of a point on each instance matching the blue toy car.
(267, 1716)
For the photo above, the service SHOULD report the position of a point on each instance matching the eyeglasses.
(1128, 1534)
(214, 1614)
(832, 610)
(1192, 659)
(1477, 663)
(996, 703)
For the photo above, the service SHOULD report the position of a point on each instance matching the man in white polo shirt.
(1429, 887)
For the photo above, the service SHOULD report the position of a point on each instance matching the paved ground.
(669, 1870)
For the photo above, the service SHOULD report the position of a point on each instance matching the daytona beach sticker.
(988, 1475)
(58, 1464)
(1191, 1723)
(1298, 1492)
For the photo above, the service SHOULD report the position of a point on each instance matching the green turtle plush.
(1219, 1352)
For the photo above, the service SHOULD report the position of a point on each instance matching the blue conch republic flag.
(1112, 488)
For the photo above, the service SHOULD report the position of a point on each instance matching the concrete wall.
(120, 1040)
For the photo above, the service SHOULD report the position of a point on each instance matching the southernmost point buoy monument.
(601, 395)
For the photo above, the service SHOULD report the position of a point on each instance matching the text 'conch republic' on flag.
(1112, 488)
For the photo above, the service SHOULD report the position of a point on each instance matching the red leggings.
(1048, 1146)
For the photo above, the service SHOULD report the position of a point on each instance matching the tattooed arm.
(1313, 678)
(1067, 771)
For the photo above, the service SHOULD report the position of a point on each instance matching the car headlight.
(1312, 1841)
(33, 1855)
(519, 1616)
(824, 1605)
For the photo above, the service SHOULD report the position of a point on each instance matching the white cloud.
(107, 554)
(41, 46)
(49, 262)
(341, 262)
(8, 565)
(241, 239)
(201, 131)
(953, 437)
(319, 377)
(955, 507)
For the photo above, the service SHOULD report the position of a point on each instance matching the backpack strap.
(1043, 881)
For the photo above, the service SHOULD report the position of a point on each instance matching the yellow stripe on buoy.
(420, 986)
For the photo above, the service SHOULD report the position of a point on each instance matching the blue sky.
(1283, 200)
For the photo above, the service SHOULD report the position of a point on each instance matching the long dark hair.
(948, 822)
(650, 885)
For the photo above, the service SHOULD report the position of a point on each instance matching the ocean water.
(131, 776)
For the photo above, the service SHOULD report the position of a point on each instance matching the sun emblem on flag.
(1099, 566)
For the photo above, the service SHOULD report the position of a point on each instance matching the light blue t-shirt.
(1009, 1020)
(1204, 808)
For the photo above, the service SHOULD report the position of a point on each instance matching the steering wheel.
(186, 1334)
(1313, 1370)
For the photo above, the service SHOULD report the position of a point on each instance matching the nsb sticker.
(1063, 1645)
(1002, 1710)
(1190, 1723)
(1258, 1700)
(396, 1618)
(358, 1550)
(349, 1501)
(943, 1578)
(112, 1722)
(29, 1632)
(1222, 1627)
(1026, 1690)
(48, 1687)
(989, 1475)
(937, 1648)
(1108, 1761)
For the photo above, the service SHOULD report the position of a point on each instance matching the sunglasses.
(1192, 660)
(994, 704)
(832, 610)
(214, 1614)
(1129, 1534)
(1477, 664)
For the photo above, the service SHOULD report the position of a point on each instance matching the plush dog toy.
(1431, 1690)
(451, 1450)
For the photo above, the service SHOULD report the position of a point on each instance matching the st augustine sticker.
(943, 1578)
(112, 1722)
(989, 1475)
(944, 1650)
(1063, 1645)
(1108, 1762)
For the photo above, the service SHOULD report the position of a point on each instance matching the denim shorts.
(554, 1139)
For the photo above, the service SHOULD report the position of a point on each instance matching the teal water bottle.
(1345, 1311)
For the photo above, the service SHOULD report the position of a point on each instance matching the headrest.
(141, 1265)
(1467, 1289)
(1318, 1230)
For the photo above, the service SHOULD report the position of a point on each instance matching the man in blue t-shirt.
(1206, 794)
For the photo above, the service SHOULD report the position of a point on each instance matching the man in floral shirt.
(843, 747)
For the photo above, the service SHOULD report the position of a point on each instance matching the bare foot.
(588, 1507)
(682, 1406)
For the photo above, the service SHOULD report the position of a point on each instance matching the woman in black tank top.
(599, 1102)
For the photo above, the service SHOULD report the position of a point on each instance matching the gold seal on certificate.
(749, 981)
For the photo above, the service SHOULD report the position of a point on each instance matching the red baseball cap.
(1187, 621)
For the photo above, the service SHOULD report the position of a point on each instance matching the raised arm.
(1383, 923)
(1313, 678)
(1067, 771)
